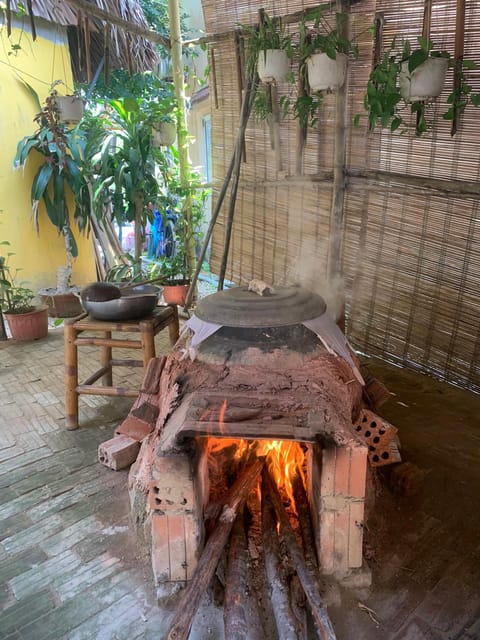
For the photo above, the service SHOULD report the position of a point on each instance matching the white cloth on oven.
(333, 339)
(201, 329)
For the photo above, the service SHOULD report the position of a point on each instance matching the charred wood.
(306, 575)
(191, 597)
(235, 617)
(305, 522)
(279, 590)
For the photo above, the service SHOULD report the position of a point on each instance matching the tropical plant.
(384, 102)
(270, 34)
(127, 164)
(61, 181)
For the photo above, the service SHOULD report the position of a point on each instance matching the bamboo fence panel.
(410, 255)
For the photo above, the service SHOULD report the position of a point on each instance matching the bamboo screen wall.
(410, 252)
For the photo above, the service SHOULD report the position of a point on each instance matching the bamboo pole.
(459, 47)
(193, 593)
(334, 258)
(182, 132)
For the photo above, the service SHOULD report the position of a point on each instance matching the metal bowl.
(134, 303)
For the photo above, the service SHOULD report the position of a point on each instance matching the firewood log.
(192, 595)
(307, 577)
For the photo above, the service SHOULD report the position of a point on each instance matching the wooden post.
(106, 361)
(459, 46)
(338, 195)
(71, 375)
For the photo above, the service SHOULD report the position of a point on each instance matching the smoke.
(309, 270)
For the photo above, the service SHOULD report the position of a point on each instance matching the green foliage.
(323, 38)
(320, 37)
(15, 297)
(62, 173)
(270, 34)
(383, 100)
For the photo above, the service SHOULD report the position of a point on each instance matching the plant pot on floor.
(28, 326)
(176, 292)
(424, 82)
(325, 73)
(273, 65)
(61, 305)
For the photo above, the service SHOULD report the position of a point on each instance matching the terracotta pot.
(62, 305)
(175, 293)
(273, 65)
(28, 326)
(325, 73)
(426, 81)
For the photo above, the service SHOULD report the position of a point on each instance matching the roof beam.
(91, 9)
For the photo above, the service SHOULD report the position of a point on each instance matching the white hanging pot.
(70, 108)
(325, 73)
(273, 65)
(426, 81)
(164, 133)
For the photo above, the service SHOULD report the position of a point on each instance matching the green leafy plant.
(320, 37)
(270, 34)
(383, 100)
(15, 297)
(62, 177)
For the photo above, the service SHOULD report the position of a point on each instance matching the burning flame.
(285, 458)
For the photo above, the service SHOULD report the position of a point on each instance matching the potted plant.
(323, 55)
(324, 51)
(62, 184)
(407, 79)
(25, 320)
(269, 49)
(69, 108)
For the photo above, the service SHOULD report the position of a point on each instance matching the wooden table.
(148, 328)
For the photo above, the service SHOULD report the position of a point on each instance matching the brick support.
(338, 480)
(119, 452)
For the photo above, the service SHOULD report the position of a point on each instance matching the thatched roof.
(101, 27)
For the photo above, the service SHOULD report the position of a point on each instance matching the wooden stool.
(148, 328)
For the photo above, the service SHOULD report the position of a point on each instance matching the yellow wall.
(39, 63)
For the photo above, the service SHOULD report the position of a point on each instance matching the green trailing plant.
(319, 37)
(383, 100)
(61, 181)
(269, 34)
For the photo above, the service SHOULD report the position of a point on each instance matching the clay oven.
(256, 368)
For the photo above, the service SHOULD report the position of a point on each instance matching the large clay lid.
(239, 307)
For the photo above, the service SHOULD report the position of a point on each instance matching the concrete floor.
(70, 566)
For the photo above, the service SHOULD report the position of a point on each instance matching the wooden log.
(303, 512)
(279, 592)
(234, 613)
(307, 577)
(191, 597)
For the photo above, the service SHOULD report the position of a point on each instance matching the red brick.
(358, 472)
(119, 452)
(355, 535)
(134, 428)
(342, 470)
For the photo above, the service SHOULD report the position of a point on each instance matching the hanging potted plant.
(407, 79)
(324, 52)
(61, 183)
(162, 115)
(269, 49)
(323, 55)
(69, 108)
(26, 321)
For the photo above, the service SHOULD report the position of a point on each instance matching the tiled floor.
(70, 565)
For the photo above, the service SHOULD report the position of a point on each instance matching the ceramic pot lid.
(239, 307)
